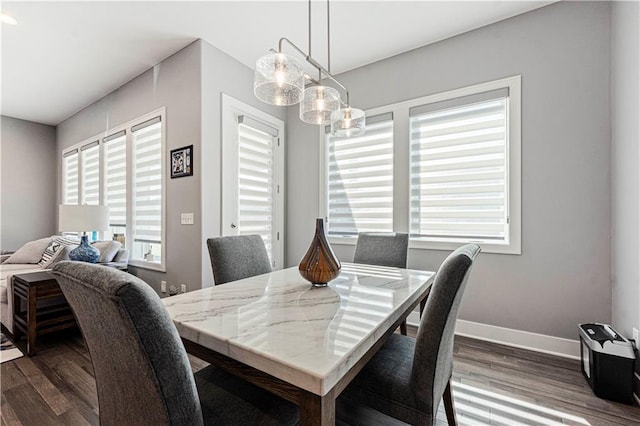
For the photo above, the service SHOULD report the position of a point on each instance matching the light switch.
(186, 218)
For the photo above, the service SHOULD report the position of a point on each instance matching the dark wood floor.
(493, 384)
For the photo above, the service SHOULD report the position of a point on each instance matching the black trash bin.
(607, 362)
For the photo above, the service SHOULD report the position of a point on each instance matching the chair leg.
(448, 405)
(403, 328)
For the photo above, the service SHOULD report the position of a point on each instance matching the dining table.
(301, 342)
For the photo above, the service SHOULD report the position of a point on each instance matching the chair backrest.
(141, 368)
(383, 249)
(433, 358)
(237, 256)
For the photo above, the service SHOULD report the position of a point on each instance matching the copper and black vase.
(320, 265)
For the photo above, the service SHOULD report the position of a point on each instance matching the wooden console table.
(39, 307)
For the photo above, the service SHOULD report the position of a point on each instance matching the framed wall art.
(181, 162)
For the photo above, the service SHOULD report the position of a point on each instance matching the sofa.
(42, 255)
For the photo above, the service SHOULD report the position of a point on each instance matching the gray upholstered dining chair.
(142, 371)
(237, 256)
(383, 249)
(407, 377)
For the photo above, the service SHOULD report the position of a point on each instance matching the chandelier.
(280, 79)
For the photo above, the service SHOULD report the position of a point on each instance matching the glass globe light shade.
(278, 79)
(347, 122)
(318, 103)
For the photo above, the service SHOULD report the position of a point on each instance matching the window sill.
(136, 263)
(347, 241)
(452, 245)
(512, 249)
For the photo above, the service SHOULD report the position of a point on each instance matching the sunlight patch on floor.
(485, 406)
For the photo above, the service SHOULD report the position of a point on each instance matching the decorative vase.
(85, 252)
(319, 265)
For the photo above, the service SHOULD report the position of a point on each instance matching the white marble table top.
(309, 337)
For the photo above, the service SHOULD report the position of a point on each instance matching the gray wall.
(220, 74)
(562, 52)
(625, 165)
(175, 84)
(27, 182)
(190, 85)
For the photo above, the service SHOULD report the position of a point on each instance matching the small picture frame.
(181, 162)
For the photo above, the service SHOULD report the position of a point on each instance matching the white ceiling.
(63, 56)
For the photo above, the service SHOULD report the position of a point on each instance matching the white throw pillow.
(62, 256)
(108, 250)
(55, 249)
(31, 252)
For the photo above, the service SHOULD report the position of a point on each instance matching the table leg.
(423, 302)
(317, 410)
(31, 321)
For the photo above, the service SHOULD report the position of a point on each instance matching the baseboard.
(558, 346)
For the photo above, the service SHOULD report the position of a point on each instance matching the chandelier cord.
(309, 24)
(328, 39)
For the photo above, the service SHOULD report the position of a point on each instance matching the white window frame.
(161, 112)
(401, 163)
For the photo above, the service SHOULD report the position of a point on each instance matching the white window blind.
(115, 187)
(360, 180)
(70, 177)
(256, 183)
(459, 169)
(90, 170)
(147, 182)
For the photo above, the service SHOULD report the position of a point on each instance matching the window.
(115, 183)
(70, 177)
(125, 171)
(90, 173)
(456, 177)
(360, 180)
(459, 169)
(147, 190)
